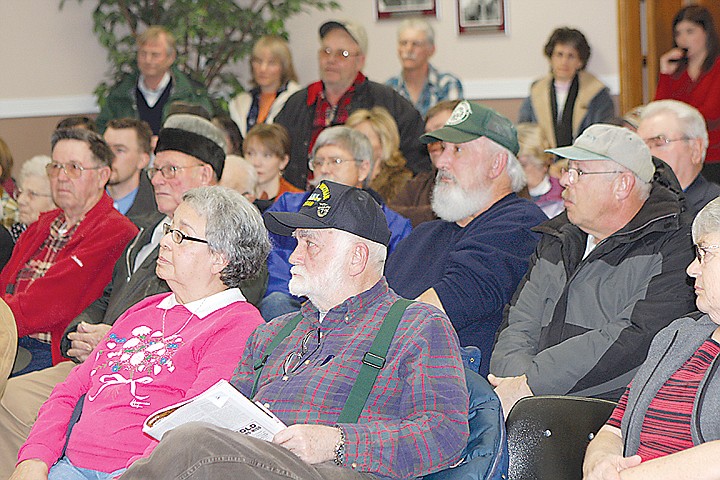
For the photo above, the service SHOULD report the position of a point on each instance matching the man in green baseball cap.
(470, 261)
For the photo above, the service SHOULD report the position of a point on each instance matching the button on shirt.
(415, 419)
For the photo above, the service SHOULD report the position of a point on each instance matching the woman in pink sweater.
(165, 349)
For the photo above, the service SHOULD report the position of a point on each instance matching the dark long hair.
(701, 16)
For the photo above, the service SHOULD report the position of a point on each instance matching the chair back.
(548, 435)
(485, 456)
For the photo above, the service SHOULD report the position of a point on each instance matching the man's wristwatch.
(340, 448)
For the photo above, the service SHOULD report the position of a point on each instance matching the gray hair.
(692, 123)
(377, 252)
(101, 152)
(707, 220)
(348, 139)
(418, 24)
(239, 175)
(234, 229)
(35, 167)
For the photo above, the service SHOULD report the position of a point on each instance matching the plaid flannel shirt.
(415, 419)
(438, 87)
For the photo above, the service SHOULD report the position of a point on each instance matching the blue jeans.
(64, 470)
(276, 304)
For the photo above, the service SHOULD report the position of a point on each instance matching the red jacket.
(703, 94)
(80, 272)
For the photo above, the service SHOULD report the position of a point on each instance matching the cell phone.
(681, 59)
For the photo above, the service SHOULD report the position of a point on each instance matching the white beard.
(319, 286)
(452, 203)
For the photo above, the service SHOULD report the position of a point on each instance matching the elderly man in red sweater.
(64, 260)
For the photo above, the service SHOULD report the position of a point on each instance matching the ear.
(432, 50)
(696, 148)
(207, 175)
(144, 161)
(360, 62)
(217, 262)
(104, 176)
(623, 185)
(499, 162)
(358, 258)
(284, 161)
(363, 171)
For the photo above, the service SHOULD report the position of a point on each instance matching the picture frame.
(386, 9)
(482, 16)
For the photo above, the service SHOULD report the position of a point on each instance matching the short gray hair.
(418, 24)
(35, 167)
(707, 221)
(239, 175)
(691, 121)
(234, 229)
(377, 252)
(514, 169)
(348, 139)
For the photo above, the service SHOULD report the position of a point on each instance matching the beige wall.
(52, 60)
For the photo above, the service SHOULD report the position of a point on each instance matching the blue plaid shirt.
(415, 419)
(438, 87)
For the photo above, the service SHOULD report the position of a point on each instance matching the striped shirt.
(438, 87)
(415, 419)
(666, 426)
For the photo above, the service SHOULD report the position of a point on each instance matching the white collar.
(205, 306)
(161, 86)
(541, 188)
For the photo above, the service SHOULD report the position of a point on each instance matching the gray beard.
(452, 203)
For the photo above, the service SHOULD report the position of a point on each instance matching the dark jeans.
(203, 451)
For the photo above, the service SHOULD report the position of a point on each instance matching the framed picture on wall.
(385, 9)
(481, 16)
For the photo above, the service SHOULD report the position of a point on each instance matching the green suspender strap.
(372, 362)
(281, 335)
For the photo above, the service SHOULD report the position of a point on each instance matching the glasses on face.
(178, 236)
(702, 251)
(168, 171)
(72, 170)
(294, 359)
(319, 162)
(574, 174)
(341, 54)
(31, 194)
(661, 141)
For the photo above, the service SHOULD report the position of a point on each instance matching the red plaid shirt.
(415, 419)
(45, 257)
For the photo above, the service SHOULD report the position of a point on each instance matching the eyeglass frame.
(299, 355)
(168, 172)
(333, 161)
(574, 178)
(665, 141)
(32, 194)
(175, 233)
(702, 251)
(328, 52)
(53, 169)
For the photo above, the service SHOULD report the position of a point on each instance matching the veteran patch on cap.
(333, 205)
(470, 121)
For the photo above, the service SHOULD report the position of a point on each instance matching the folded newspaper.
(221, 405)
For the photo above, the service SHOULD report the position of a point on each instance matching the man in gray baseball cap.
(607, 275)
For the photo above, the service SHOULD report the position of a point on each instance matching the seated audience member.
(670, 406)
(233, 137)
(134, 277)
(544, 190)
(79, 121)
(132, 194)
(32, 193)
(389, 173)
(413, 201)
(267, 148)
(469, 262)
(62, 262)
(414, 421)
(274, 80)
(608, 274)
(342, 155)
(148, 92)
(341, 90)
(675, 132)
(239, 175)
(419, 82)
(567, 100)
(8, 205)
(165, 349)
